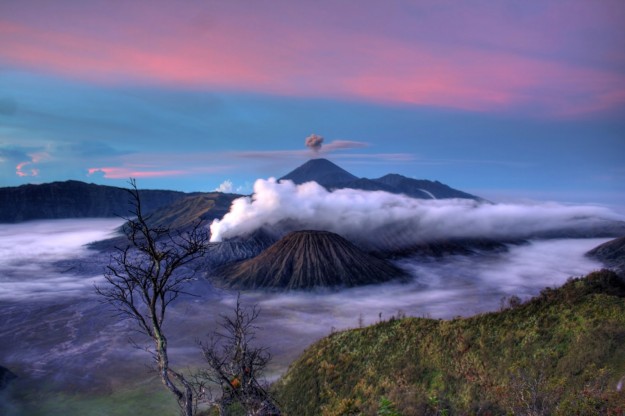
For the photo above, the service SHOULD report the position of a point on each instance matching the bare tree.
(145, 277)
(236, 366)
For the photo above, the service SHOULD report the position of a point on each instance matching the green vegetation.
(561, 353)
(147, 399)
(185, 212)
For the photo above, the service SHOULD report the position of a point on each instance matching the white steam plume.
(379, 219)
(225, 187)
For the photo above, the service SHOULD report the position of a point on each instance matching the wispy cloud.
(267, 154)
(134, 172)
(372, 157)
(326, 149)
(22, 170)
(444, 58)
(343, 145)
(29, 167)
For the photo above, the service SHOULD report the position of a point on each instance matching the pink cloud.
(127, 172)
(21, 169)
(468, 57)
(22, 172)
(161, 165)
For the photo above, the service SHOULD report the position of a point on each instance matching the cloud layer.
(29, 248)
(541, 60)
(381, 219)
(39, 298)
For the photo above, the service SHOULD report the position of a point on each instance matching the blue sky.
(511, 102)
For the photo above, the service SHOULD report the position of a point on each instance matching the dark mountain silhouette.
(331, 176)
(307, 259)
(6, 377)
(422, 188)
(322, 171)
(367, 185)
(74, 199)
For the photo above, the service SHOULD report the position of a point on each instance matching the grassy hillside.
(563, 353)
(187, 211)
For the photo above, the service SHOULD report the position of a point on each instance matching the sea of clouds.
(30, 249)
(55, 328)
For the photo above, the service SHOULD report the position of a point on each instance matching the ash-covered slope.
(307, 259)
(236, 250)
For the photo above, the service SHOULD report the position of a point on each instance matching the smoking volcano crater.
(307, 259)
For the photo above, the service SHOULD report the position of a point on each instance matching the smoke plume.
(382, 220)
(314, 142)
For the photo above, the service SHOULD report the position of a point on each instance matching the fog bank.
(440, 288)
(379, 218)
(68, 348)
(29, 249)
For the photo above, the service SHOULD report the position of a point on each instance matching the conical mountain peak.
(322, 171)
(306, 259)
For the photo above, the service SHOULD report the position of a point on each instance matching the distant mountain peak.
(322, 171)
(331, 176)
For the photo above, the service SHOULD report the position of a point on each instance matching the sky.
(509, 100)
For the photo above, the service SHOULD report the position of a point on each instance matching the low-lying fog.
(29, 248)
(56, 335)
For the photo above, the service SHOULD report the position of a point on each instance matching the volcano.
(322, 171)
(331, 176)
(307, 259)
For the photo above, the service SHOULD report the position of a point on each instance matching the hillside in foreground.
(561, 353)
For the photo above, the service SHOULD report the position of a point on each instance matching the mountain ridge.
(75, 199)
(611, 253)
(332, 176)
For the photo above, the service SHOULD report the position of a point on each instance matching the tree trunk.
(185, 400)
